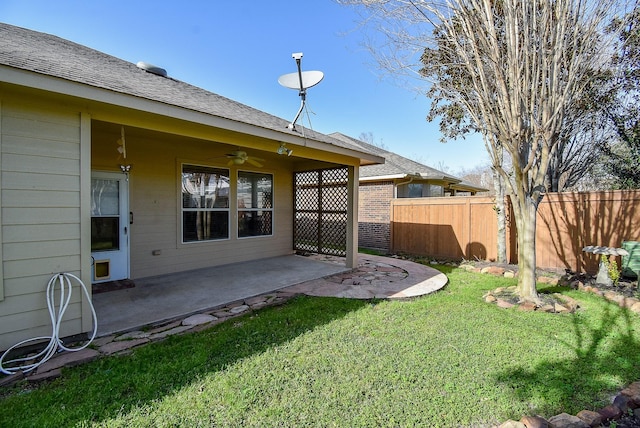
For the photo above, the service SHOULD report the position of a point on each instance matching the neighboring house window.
(435, 190)
(205, 203)
(419, 190)
(255, 204)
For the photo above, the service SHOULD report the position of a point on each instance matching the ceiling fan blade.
(254, 162)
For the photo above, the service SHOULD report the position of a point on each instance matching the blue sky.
(238, 49)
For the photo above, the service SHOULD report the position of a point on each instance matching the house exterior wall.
(41, 196)
(155, 202)
(374, 205)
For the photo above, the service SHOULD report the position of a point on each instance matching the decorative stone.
(11, 379)
(114, 347)
(610, 412)
(175, 330)
(198, 319)
(527, 307)
(137, 334)
(103, 340)
(621, 401)
(512, 424)
(509, 274)
(548, 308)
(633, 392)
(490, 299)
(570, 303)
(504, 304)
(493, 270)
(534, 422)
(560, 308)
(593, 419)
(255, 300)
(565, 420)
(239, 309)
(68, 359)
(48, 375)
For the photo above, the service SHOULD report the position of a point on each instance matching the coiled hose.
(55, 343)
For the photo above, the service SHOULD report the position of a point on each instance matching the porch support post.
(352, 217)
(85, 215)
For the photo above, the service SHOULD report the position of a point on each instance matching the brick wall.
(374, 210)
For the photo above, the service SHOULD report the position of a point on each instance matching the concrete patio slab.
(165, 297)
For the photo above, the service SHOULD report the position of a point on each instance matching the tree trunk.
(525, 208)
(498, 184)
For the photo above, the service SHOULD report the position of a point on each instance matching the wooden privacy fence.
(466, 227)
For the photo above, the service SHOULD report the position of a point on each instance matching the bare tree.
(522, 65)
(369, 138)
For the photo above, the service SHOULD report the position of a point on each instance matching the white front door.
(109, 227)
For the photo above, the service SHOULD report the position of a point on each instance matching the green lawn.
(448, 360)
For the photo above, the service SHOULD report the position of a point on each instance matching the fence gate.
(320, 211)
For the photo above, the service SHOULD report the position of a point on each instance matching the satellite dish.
(309, 79)
(302, 80)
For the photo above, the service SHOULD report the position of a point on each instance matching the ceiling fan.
(239, 157)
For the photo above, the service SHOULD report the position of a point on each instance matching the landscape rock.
(239, 309)
(633, 392)
(198, 319)
(512, 424)
(509, 274)
(534, 422)
(610, 412)
(11, 379)
(565, 420)
(137, 334)
(621, 401)
(504, 304)
(490, 299)
(636, 308)
(493, 270)
(175, 330)
(68, 359)
(114, 347)
(48, 375)
(593, 419)
(527, 307)
(570, 303)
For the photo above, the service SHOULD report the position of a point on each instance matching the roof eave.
(34, 80)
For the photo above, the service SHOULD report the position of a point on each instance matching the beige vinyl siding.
(40, 202)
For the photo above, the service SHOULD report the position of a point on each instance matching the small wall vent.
(152, 68)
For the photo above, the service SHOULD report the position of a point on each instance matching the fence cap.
(609, 251)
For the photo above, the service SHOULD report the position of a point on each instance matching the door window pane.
(105, 233)
(105, 197)
(105, 214)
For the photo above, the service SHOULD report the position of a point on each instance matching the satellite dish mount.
(302, 80)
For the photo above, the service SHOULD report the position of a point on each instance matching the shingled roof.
(53, 56)
(397, 166)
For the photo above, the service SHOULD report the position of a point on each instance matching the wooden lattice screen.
(320, 211)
